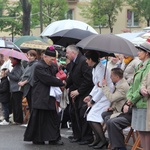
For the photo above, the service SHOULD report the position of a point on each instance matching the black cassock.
(44, 122)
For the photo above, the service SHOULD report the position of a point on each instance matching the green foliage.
(142, 7)
(12, 19)
(52, 10)
(102, 12)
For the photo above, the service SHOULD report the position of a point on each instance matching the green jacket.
(133, 93)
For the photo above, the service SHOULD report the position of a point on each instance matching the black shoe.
(59, 142)
(84, 142)
(70, 137)
(74, 140)
(38, 143)
(94, 143)
(101, 145)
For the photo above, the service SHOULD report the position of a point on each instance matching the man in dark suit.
(79, 85)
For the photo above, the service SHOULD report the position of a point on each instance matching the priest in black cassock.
(44, 122)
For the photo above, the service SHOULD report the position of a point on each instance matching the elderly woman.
(137, 99)
(16, 94)
(26, 82)
(96, 99)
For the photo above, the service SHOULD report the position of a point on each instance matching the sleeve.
(4, 87)
(15, 74)
(118, 95)
(46, 78)
(87, 78)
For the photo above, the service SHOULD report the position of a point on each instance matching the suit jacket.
(146, 84)
(118, 97)
(80, 78)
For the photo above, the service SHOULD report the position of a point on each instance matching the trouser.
(5, 107)
(106, 115)
(16, 99)
(115, 133)
(81, 128)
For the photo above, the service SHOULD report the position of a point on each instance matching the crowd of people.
(115, 95)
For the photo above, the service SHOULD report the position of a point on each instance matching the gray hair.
(73, 48)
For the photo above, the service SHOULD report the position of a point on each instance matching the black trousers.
(5, 107)
(16, 100)
(106, 115)
(81, 128)
(114, 128)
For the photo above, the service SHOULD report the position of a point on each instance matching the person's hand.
(87, 99)
(104, 82)
(64, 82)
(125, 108)
(144, 92)
(20, 83)
(109, 109)
(74, 93)
(129, 102)
(6, 71)
(89, 104)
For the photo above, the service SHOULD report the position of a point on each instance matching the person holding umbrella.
(79, 85)
(96, 101)
(16, 94)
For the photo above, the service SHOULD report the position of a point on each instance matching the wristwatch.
(92, 102)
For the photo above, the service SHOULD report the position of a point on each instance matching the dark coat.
(80, 78)
(44, 78)
(4, 90)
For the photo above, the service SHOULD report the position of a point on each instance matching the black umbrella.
(9, 45)
(69, 36)
(108, 43)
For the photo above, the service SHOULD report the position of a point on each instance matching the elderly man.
(79, 85)
(44, 124)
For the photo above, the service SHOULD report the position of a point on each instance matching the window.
(70, 14)
(132, 19)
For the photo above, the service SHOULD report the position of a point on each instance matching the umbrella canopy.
(34, 44)
(130, 36)
(26, 38)
(138, 40)
(9, 45)
(108, 43)
(65, 24)
(69, 36)
(13, 53)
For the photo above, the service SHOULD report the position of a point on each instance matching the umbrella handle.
(106, 67)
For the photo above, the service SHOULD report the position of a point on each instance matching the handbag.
(61, 74)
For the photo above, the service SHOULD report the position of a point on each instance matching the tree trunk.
(26, 7)
(148, 22)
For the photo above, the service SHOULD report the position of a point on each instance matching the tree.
(52, 10)
(102, 12)
(142, 7)
(26, 8)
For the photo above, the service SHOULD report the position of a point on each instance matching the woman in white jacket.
(96, 99)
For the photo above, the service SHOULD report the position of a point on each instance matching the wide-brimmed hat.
(144, 46)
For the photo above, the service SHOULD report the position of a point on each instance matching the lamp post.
(41, 19)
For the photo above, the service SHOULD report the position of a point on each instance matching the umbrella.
(138, 40)
(26, 38)
(69, 36)
(66, 24)
(34, 44)
(108, 43)
(13, 53)
(9, 45)
(130, 36)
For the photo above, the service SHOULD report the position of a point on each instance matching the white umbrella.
(130, 36)
(138, 40)
(66, 24)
